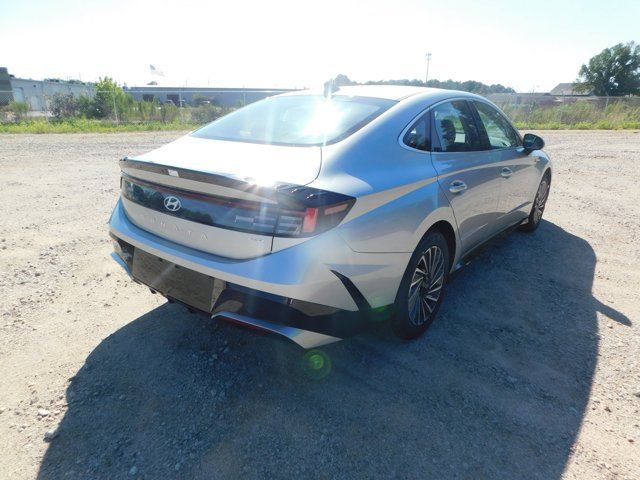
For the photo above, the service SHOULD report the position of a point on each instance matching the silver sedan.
(314, 214)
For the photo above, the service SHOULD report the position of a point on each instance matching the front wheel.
(422, 287)
(538, 205)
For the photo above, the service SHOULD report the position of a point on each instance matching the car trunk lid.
(253, 163)
(225, 198)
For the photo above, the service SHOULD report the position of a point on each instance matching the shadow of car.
(497, 389)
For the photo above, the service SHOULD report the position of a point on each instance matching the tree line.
(466, 86)
(614, 72)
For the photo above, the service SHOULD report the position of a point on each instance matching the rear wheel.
(535, 217)
(422, 287)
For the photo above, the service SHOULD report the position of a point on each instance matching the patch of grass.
(83, 125)
(601, 125)
(583, 115)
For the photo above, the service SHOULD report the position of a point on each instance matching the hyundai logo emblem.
(172, 203)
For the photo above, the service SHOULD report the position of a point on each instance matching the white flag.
(155, 71)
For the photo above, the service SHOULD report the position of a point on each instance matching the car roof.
(389, 92)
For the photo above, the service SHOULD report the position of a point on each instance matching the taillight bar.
(300, 211)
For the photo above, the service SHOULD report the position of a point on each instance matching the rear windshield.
(296, 120)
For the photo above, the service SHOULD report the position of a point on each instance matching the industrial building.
(224, 97)
(38, 92)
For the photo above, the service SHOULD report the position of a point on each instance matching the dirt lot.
(532, 369)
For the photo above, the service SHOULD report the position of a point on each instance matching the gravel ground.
(532, 369)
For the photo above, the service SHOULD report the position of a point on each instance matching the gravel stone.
(510, 381)
(50, 434)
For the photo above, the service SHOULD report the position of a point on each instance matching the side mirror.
(532, 142)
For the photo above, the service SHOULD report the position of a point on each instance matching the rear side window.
(455, 128)
(418, 135)
(501, 134)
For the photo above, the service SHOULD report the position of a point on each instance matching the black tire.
(539, 203)
(407, 322)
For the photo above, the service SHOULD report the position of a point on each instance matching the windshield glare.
(300, 120)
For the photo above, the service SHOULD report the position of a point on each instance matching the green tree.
(110, 99)
(86, 107)
(338, 81)
(342, 80)
(613, 72)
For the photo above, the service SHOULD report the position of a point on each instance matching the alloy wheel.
(541, 200)
(426, 286)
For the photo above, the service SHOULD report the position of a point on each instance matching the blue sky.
(286, 43)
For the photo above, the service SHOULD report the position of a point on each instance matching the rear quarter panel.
(398, 196)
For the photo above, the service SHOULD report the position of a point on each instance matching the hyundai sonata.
(313, 214)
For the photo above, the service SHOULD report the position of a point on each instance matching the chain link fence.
(6, 97)
(192, 107)
(548, 111)
(146, 105)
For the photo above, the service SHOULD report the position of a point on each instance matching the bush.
(86, 107)
(580, 115)
(169, 112)
(206, 113)
(148, 111)
(104, 100)
(19, 110)
(111, 101)
(64, 105)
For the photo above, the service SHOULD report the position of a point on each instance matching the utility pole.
(115, 108)
(426, 79)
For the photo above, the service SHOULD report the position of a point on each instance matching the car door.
(517, 169)
(469, 176)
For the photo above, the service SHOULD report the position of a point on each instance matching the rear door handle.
(506, 172)
(457, 186)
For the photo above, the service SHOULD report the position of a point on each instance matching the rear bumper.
(312, 271)
(295, 292)
(306, 324)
